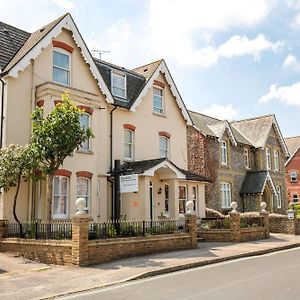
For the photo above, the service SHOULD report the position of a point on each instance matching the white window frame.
(268, 158)
(61, 216)
(167, 200)
(88, 202)
(247, 158)
(158, 110)
(62, 51)
(165, 150)
(293, 176)
(294, 198)
(279, 196)
(88, 141)
(224, 153)
(226, 194)
(276, 160)
(195, 199)
(130, 144)
(122, 75)
(184, 200)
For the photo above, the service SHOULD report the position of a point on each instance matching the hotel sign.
(129, 183)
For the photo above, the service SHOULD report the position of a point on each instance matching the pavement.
(24, 279)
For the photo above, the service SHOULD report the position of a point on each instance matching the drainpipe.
(2, 112)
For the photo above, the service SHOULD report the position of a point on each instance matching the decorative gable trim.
(269, 179)
(162, 67)
(67, 23)
(62, 45)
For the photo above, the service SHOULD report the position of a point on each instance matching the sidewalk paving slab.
(23, 279)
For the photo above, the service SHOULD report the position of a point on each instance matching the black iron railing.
(54, 230)
(118, 229)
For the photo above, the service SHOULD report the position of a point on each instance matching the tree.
(55, 137)
(17, 163)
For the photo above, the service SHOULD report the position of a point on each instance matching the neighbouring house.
(245, 160)
(137, 116)
(292, 168)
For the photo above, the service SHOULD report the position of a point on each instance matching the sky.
(230, 59)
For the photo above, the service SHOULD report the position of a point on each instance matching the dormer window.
(61, 67)
(118, 84)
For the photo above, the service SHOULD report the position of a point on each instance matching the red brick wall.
(293, 165)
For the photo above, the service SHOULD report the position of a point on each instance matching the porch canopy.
(165, 168)
(256, 182)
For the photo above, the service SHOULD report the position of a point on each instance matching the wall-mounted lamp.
(159, 191)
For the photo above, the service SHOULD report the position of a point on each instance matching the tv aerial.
(99, 53)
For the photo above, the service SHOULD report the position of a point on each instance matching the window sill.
(84, 151)
(128, 159)
(159, 115)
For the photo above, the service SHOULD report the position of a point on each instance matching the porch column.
(174, 204)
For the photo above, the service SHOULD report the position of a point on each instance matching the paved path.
(270, 276)
(36, 281)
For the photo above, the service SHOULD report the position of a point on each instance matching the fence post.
(235, 226)
(266, 222)
(190, 222)
(2, 230)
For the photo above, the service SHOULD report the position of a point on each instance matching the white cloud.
(66, 4)
(226, 112)
(284, 94)
(291, 62)
(294, 4)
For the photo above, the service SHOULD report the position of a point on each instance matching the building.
(245, 160)
(137, 116)
(293, 169)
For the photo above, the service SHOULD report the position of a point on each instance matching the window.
(279, 196)
(226, 194)
(61, 67)
(276, 160)
(195, 197)
(224, 156)
(246, 158)
(128, 144)
(84, 124)
(118, 85)
(182, 198)
(295, 198)
(167, 199)
(163, 146)
(293, 176)
(83, 190)
(60, 196)
(268, 158)
(158, 105)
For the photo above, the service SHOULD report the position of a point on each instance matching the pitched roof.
(31, 41)
(134, 82)
(148, 69)
(11, 40)
(255, 182)
(139, 167)
(292, 143)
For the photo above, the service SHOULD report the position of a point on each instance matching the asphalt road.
(272, 276)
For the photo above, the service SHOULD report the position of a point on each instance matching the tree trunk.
(49, 196)
(15, 205)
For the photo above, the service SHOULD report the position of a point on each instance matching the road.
(272, 276)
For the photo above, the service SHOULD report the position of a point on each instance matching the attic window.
(118, 84)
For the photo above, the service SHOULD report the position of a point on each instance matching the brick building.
(245, 160)
(293, 169)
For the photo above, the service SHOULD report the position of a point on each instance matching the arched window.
(164, 146)
(128, 144)
(60, 197)
(83, 190)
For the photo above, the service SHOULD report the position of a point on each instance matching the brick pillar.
(266, 223)
(190, 222)
(2, 230)
(294, 221)
(235, 226)
(80, 239)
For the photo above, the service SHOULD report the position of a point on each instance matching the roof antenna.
(98, 53)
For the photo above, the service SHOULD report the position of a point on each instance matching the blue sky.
(230, 59)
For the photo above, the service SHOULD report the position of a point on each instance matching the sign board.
(291, 215)
(129, 183)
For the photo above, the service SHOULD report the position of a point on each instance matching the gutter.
(2, 112)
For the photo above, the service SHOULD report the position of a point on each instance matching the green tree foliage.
(17, 164)
(55, 137)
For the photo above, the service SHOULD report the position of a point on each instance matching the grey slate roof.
(254, 182)
(11, 40)
(134, 82)
(139, 167)
(292, 143)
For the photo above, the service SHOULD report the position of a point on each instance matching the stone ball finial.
(80, 205)
(263, 206)
(234, 206)
(189, 207)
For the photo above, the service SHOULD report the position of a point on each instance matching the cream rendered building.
(137, 117)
